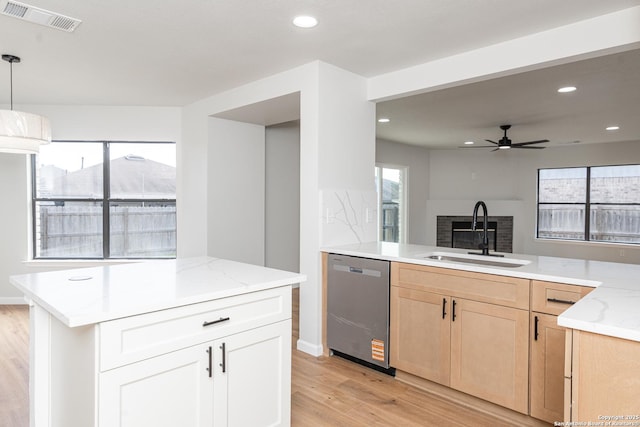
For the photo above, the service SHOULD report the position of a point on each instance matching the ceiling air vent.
(40, 16)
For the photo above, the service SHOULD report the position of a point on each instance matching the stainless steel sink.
(476, 259)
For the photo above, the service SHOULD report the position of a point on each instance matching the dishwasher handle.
(357, 270)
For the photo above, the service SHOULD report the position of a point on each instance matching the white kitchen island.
(186, 342)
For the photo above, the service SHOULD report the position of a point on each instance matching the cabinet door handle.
(224, 358)
(213, 322)
(561, 301)
(535, 328)
(444, 305)
(209, 351)
(453, 311)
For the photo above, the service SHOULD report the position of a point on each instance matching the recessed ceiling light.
(613, 127)
(567, 89)
(469, 143)
(304, 21)
(384, 120)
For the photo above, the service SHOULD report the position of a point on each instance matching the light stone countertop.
(612, 309)
(91, 295)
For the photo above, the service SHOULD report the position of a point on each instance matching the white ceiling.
(174, 52)
(608, 93)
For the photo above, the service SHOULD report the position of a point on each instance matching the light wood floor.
(326, 391)
(14, 365)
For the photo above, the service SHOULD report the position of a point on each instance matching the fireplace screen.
(463, 237)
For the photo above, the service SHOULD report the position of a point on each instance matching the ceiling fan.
(505, 143)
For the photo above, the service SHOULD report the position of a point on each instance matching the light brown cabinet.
(605, 379)
(547, 388)
(423, 348)
(465, 330)
(489, 352)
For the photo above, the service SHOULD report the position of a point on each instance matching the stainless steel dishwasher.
(358, 310)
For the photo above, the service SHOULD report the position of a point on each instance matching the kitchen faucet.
(484, 246)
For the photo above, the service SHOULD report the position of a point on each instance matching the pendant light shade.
(20, 132)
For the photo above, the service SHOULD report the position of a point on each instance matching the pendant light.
(20, 132)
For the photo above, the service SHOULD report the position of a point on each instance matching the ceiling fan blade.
(493, 142)
(540, 141)
(476, 146)
(527, 147)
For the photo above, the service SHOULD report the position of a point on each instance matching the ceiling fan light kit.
(20, 132)
(505, 143)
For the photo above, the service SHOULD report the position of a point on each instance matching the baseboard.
(13, 301)
(307, 347)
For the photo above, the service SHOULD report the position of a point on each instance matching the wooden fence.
(135, 231)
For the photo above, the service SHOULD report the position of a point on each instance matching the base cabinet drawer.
(554, 298)
(136, 338)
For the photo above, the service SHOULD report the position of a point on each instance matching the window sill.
(588, 243)
(76, 263)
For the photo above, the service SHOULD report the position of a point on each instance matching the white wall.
(282, 196)
(68, 122)
(416, 159)
(235, 191)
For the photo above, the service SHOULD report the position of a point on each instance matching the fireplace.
(455, 232)
(462, 236)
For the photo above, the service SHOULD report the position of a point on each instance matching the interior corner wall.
(416, 160)
(236, 192)
(346, 159)
(282, 196)
(337, 150)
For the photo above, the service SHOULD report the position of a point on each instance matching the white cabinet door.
(252, 377)
(170, 390)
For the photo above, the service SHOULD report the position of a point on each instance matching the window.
(390, 183)
(104, 199)
(597, 203)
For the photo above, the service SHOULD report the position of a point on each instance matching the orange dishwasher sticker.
(377, 350)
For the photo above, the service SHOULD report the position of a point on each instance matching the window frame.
(403, 206)
(587, 206)
(106, 201)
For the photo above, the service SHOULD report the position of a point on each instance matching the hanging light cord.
(11, 84)
(11, 59)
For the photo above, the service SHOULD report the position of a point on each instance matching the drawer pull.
(224, 358)
(213, 322)
(561, 301)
